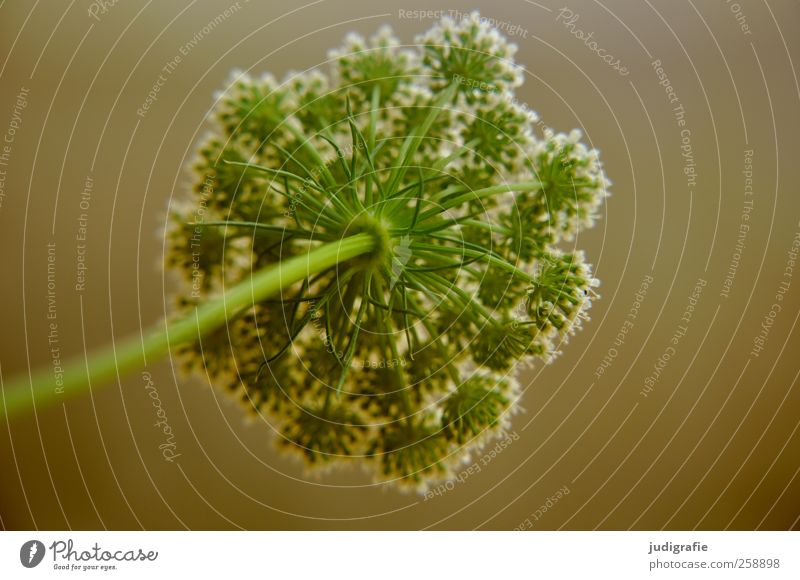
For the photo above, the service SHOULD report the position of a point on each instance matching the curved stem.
(478, 194)
(44, 387)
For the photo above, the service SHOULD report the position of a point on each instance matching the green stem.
(41, 388)
(480, 194)
(484, 256)
(414, 140)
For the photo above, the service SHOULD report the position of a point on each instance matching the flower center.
(378, 228)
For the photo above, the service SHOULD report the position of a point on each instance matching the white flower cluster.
(402, 360)
(574, 183)
(471, 49)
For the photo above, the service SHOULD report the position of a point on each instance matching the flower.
(573, 182)
(471, 53)
(560, 293)
(414, 455)
(361, 66)
(253, 108)
(499, 130)
(401, 358)
(479, 408)
(323, 433)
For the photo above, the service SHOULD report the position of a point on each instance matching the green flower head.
(400, 356)
(471, 52)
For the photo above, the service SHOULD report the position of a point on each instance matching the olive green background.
(714, 446)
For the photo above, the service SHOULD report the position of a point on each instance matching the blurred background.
(676, 407)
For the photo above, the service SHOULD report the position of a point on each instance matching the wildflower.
(367, 256)
(461, 205)
(472, 52)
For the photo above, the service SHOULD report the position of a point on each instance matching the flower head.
(363, 66)
(479, 407)
(401, 358)
(560, 293)
(573, 182)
